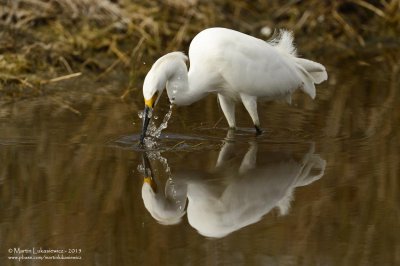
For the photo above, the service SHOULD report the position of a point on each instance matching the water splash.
(154, 132)
(155, 156)
(141, 169)
(163, 161)
(172, 190)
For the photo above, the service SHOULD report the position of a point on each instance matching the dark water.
(319, 187)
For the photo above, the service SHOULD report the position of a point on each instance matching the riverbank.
(46, 44)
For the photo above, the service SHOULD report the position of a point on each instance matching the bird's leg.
(250, 159)
(250, 103)
(227, 152)
(228, 108)
(258, 130)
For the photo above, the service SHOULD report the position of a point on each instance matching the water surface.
(319, 187)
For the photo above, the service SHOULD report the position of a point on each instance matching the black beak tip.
(142, 136)
(146, 120)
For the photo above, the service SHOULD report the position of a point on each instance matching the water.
(319, 187)
(153, 132)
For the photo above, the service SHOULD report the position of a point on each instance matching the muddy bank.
(43, 44)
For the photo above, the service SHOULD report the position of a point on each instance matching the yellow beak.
(148, 175)
(148, 106)
(150, 102)
(149, 180)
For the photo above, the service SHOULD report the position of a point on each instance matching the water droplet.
(154, 132)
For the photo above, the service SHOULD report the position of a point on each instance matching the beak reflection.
(148, 178)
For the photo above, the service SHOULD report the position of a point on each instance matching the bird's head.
(152, 91)
(163, 71)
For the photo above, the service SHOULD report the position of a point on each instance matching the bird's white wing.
(246, 64)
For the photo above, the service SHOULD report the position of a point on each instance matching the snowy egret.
(235, 66)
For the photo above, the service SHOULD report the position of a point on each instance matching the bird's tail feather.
(308, 82)
(311, 73)
(283, 40)
(316, 70)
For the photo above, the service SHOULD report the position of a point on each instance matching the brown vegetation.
(42, 40)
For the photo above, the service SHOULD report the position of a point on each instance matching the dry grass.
(45, 39)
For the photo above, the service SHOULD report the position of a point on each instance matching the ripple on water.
(166, 142)
(203, 137)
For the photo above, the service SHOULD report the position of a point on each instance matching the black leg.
(258, 130)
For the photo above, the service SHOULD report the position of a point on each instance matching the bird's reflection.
(231, 196)
(167, 206)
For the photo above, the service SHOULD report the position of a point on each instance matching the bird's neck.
(181, 88)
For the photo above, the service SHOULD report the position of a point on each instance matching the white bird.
(237, 67)
(237, 196)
